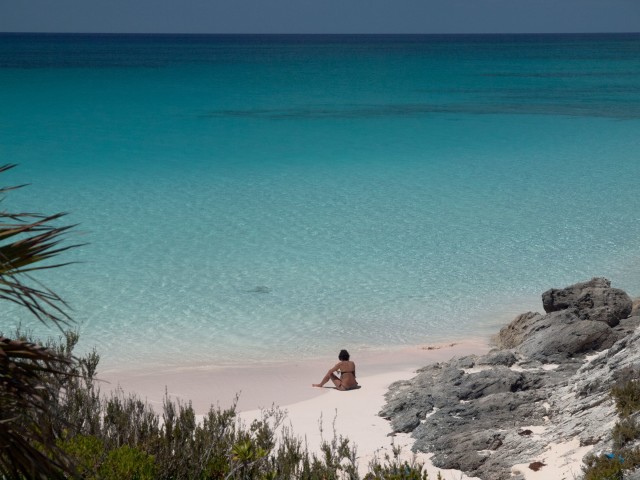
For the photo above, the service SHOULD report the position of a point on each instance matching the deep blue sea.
(253, 198)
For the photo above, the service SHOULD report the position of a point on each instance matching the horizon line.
(314, 33)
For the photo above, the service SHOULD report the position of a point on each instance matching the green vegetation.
(626, 392)
(55, 424)
(625, 434)
(121, 437)
(601, 468)
(394, 469)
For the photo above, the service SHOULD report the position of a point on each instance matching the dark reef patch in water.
(616, 110)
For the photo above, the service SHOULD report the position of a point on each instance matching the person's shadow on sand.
(357, 387)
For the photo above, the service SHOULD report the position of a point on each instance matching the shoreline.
(171, 359)
(280, 383)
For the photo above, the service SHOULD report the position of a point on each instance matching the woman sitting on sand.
(347, 378)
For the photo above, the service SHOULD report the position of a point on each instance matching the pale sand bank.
(562, 461)
(261, 386)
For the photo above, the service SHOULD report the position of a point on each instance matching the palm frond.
(31, 376)
(27, 241)
(27, 371)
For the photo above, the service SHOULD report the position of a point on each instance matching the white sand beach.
(281, 384)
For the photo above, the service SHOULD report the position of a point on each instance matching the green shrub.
(394, 469)
(631, 458)
(627, 397)
(601, 468)
(404, 471)
(127, 463)
(624, 432)
(87, 453)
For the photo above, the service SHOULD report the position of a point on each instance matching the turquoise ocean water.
(252, 198)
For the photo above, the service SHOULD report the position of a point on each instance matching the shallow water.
(272, 198)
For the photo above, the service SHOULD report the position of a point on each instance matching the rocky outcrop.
(579, 320)
(593, 300)
(547, 381)
(562, 335)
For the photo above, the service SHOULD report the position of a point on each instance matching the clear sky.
(320, 16)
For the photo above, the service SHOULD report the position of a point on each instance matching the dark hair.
(343, 355)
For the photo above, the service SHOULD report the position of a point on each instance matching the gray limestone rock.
(593, 300)
(463, 362)
(626, 327)
(559, 337)
(633, 475)
(514, 334)
(500, 357)
(499, 379)
(556, 336)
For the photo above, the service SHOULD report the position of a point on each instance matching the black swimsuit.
(352, 387)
